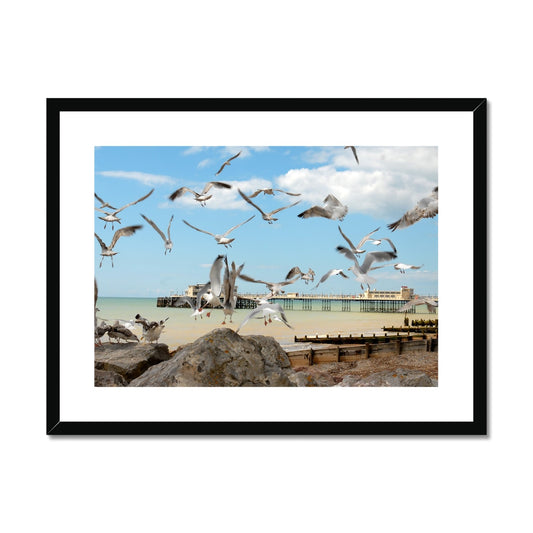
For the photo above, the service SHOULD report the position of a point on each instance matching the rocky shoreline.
(222, 358)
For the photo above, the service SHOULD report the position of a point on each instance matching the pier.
(344, 303)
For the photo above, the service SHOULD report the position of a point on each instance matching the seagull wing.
(255, 194)
(197, 229)
(282, 208)
(251, 314)
(154, 225)
(235, 227)
(247, 199)
(330, 201)
(216, 184)
(102, 211)
(133, 203)
(372, 257)
(123, 232)
(168, 229)
(233, 157)
(293, 272)
(346, 252)
(186, 300)
(215, 275)
(315, 211)
(289, 193)
(366, 237)
(102, 243)
(350, 243)
(180, 192)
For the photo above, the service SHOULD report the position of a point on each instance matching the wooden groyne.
(335, 349)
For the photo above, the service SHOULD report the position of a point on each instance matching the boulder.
(108, 378)
(128, 359)
(390, 378)
(222, 358)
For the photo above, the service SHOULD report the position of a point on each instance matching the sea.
(181, 328)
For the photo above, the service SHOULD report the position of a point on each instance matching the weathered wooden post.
(398, 346)
(367, 349)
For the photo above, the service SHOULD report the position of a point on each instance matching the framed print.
(266, 266)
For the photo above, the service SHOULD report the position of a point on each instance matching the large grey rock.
(108, 378)
(390, 378)
(128, 359)
(222, 358)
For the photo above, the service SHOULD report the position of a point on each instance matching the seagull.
(221, 239)
(97, 339)
(107, 251)
(428, 207)
(402, 267)
(227, 163)
(267, 309)
(200, 196)
(332, 272)
(194, 305)
(266, 216)
(230, 295)
(354, 152)
(361, 271)
(167, 240)
(151, 330)
(357, 249)
(112, 217)
(274, 288)
(211, 290)
(332, 209)
(103, 204)
(431, 304)
(307, 277)
(100, 331)
(119, 332)
(271, 191)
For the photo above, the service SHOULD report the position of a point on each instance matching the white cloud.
(193, 150)
(142, 177)
(386, 183)
(204, 163)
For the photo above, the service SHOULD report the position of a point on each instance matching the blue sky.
(387, 182)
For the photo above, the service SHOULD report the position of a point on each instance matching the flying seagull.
(307, 277)
(267, 309)
(107, 251)
(354, 152)
(166, 239)
(402, 267)
(332, 209)
(266, 216)
(271, 192)
(221, 239)
(431, 304)
(357, 249)
(428, 207)
(228, 288)
(227, 163)
(112, 217)
(103, 204)
(274, 288)
(201, 197)
(329, 273)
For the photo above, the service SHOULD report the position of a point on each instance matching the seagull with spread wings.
(431, 304)
(357, 249)
(266, 216)
(332, 209)
(166, 238)
(220, 238)
(228, 162)
(107, 251)
(271, 192)
(402, 267)
(307, 277)
(112, 217)
(329, 273)
(354, 152)
(201, 197)
(267, 310)
(274, 288)
(428, 207)
(228, 288)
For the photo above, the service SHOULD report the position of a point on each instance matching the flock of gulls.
(220, 290)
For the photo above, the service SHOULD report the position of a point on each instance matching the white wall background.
(275, 49)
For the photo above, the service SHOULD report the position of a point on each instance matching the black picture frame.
(477, 426)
